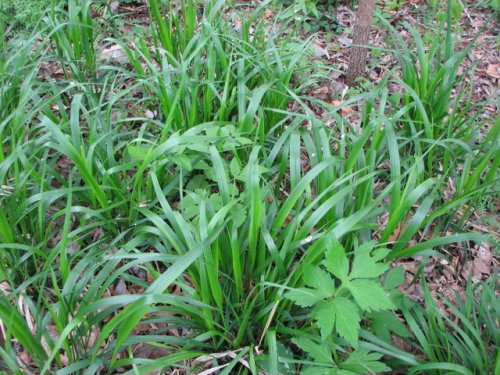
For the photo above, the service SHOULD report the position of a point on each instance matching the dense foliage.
(171, 200)
(23, 12)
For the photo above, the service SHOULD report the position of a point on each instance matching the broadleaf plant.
(340, 292)
(360, 361)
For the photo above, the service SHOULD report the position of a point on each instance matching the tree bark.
(359, 54)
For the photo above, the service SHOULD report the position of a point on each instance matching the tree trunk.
(359, 54)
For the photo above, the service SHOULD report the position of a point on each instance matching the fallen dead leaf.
(493, 70)
(268, 13)
(5, 288)
(345, 41)
(345, 110)
(97, 233)
(115, 53)
(113, 6)
(145, 350)
(466, 270)
(321, 93)
(482, 262)
(120, 288)
(25, 362)
(320, 51)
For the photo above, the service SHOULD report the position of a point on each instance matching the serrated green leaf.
(202, 147)
(363, 362)
(324, 314)
(394, 278)
(347, 320)
(201, 164)
(366, 262)
(216, 201)
(316, 278)
(336, 261)
(345, 372)
(211, 174)
(305, 297)
(384, 322)
(197, 182)
(320, 353)
(285, 368)
(238, 215)
(370, 295)
(320, 370)
(137, 152)
(189, 207)
(214, 132)
(341, 314)
(257, 169)
(182, 161)
(244, 141)
(235, 167)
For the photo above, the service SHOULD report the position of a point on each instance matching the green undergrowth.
(169, 211)
(23, 14)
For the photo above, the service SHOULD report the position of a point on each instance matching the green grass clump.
(466, 339)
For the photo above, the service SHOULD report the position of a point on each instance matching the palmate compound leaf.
(369, 295)
(341, 314)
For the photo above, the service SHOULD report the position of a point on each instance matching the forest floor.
(323, 93)
(329, 47)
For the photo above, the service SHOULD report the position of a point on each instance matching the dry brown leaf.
(5, 288)
(97, 233)
(319, 51)
(344, 111)
(113, 6)
(268, 13)
(94, 335)
(25, 362)
(120, 288)
(482, 262)
(321, 93)
(343, 40)
(466, 270)
(114, 53)
(493, 70)
(394, 236)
